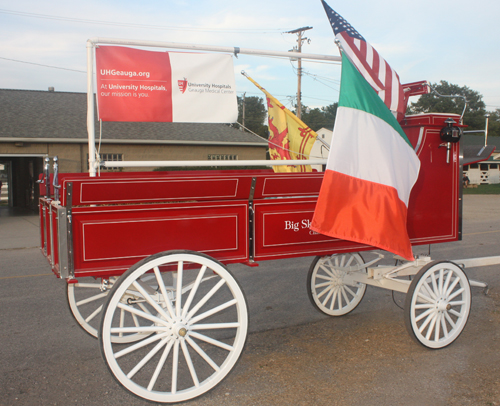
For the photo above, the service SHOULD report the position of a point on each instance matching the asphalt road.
(294, 355)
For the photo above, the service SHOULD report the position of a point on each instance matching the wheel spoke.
(447, 282)
(140, 344)
(443, 325)
(142, 314)
(95, 313)
(213, 311)
(455, 313)
(205, 298)
(175, 363)
(163, 291)
(452, 286)
(434, 284)
(350, 291)
(334, 298)
(455, 294)
(450, 320)
(202, 354)
(178, 298)
(460, 303)
(91, 299)
(159, 366)
(151, 301)
(426, 286)
(424, 314)
(212, 341)
(327, 270)
(426, 322)
(424, 306)
(343, 291)
(330, 290)
(189, 362)
(437, 327)
(431, 327)
(424, 298)
(147, 357)
(322, 285)
(440, 281)
(190, 298)
(214, 326)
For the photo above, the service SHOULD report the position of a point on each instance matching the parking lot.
(293, 356)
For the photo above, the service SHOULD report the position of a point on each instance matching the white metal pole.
(213, 48)
(90, 107)
(157, 164)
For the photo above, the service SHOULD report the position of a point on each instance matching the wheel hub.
(442, 305)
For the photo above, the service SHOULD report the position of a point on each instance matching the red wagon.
(145, 256)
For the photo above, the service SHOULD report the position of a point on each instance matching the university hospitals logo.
(182, 85)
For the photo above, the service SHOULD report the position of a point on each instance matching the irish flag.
(371, 170)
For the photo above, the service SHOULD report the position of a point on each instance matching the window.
(466, 168)
(108, 157)
(493, 166)
(222, 157)
(484, 167)
(474, 166)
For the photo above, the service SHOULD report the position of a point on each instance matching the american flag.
(376, 71)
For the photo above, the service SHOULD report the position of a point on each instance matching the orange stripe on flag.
(366, 212)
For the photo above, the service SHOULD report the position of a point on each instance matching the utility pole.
(300, 40)
(242, 127)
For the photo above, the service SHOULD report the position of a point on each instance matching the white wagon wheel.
(197, 333)
(86, 299)
(437, 304)
(328, 285)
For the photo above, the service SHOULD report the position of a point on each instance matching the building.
(35, 124)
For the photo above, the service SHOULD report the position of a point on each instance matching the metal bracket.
(69, 229)
(251, 218)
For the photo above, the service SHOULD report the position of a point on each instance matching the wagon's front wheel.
(437, 304)
(329, 287)
(197, 319)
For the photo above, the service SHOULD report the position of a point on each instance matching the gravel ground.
(293, 356)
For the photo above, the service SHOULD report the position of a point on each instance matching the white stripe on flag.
(369, 55)
(373, 151)
(356, 61)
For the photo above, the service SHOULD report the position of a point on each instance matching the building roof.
(51, 116)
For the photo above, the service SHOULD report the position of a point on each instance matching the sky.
(43, 44)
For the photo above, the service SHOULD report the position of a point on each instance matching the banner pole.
(90, 107)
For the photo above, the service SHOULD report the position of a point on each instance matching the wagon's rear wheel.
(86, 299)
(437, 304)
(329, 287)
(198, 330)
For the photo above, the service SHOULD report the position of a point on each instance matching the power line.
(46, 66)
(146, 26)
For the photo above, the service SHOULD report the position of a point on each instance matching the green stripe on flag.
(357, 93)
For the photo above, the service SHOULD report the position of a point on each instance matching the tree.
(433, 103)
(318, 118)
(255, 114)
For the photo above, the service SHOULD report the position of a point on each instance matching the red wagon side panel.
(108, 240)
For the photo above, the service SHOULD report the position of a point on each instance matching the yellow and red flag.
(289, 137)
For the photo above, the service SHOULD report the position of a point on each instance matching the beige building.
(36, 124)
